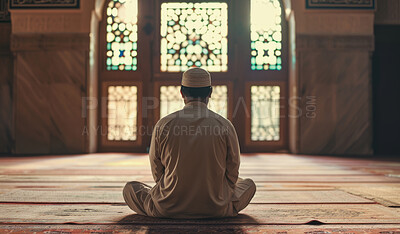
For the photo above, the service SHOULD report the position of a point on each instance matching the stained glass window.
(219, 100)
(194, 34)
(266, 35)
(121, 35)
(265, 113)
(171, 100)
(122, 113)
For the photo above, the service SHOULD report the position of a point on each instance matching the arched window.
(266, 35)
(122, 35)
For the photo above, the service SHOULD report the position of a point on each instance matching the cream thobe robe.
(194, 156)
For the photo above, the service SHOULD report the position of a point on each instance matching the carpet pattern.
(295, 194)
(115, 196)
(253, 214)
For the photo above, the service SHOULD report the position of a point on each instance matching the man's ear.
(211, 89)
(183, 96)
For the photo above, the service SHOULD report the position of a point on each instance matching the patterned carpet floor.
(295, 194)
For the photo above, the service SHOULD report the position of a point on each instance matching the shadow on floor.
(216, 225)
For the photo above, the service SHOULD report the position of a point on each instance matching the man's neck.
(187, 100)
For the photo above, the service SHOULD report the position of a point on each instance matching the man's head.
(196, 85)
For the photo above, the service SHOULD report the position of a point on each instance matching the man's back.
(195, 161)
(194, 157)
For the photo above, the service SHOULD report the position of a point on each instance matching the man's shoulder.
(167, 119)
(219, 118)
(180, 114)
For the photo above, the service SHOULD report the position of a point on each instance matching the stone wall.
(6, 87)
(386, 82)
(331, 79)
(54, 72)
(388, 12)
(49, 84)
(335, 86)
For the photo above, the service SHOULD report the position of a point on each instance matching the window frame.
(239, 77)
(109, 145)
(142, 49)
(158, 84)
(273, 75)
(283, 121)
(160, 75)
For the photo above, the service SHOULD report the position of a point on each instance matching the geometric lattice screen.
(265, 113)
(219, 100)
(171, 100)
(121, 35)
(266, 35)
(194, 34)
(122, 113)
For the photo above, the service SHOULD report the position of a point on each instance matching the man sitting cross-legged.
(194, 157)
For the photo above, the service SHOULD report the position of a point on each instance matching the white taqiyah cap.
(196, 77)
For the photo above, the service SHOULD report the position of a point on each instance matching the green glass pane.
(265, 34)
(121, 35)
